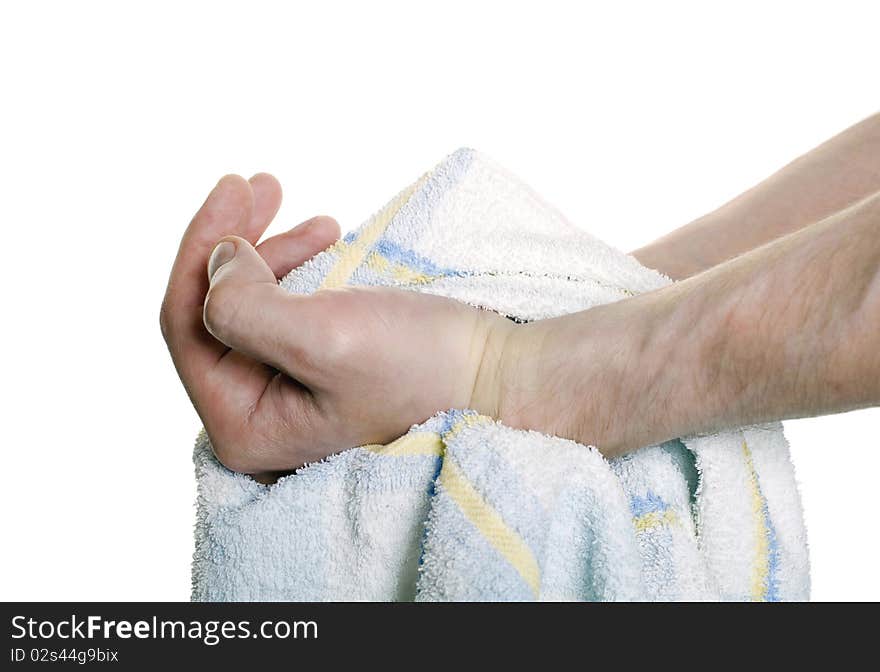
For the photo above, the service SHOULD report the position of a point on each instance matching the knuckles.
(244, 454)
(338, 345)
(334, 330)
(165, 320)
(238, 450)
(239, 459)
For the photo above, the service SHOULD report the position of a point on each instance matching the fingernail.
(224, 252)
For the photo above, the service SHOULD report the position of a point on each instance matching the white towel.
(464, 508)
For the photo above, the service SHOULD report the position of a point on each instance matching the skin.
(830, 178)
(784, 330)
(280, 380)
(787, 330)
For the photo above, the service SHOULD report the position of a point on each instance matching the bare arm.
(790, 329)
(836, 174)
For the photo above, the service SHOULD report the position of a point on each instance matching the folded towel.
(464, 508)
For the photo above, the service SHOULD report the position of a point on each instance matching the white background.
(118, 118)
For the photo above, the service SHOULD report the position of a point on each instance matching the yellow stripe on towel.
(397, 272)
(465, 421)
(761, 570)
(352, 254)
(654, 519)
(421, 443)
(490, 524)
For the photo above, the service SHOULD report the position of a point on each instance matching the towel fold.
(464, 508)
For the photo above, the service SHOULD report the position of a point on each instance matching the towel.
(465, 508)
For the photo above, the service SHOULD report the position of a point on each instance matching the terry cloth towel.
(464, 508)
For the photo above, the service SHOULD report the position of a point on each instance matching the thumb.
(247, 311)
(236, 257)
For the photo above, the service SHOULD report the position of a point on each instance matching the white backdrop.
(118, 118)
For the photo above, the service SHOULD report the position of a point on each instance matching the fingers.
(243, 403)
(267, 201)
(228, 209)
(234, 206)
(293, 248)
(246, 310)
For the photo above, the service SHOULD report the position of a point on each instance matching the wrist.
(600, 377)
(494, 333)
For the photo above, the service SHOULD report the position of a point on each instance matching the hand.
(279, 379)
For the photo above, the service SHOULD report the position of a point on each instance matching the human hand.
(280, 380)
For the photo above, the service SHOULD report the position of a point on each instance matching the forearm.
(787, 330)
(829, 178)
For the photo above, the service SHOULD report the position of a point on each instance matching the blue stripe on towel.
(647, 504)
(397, 254)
